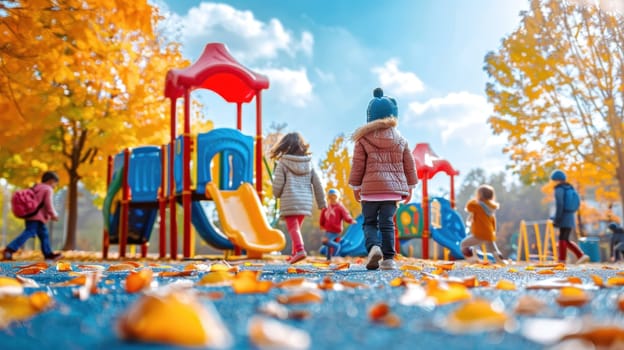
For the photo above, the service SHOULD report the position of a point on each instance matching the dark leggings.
(564, 233)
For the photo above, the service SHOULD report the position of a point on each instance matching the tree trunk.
(72, 216)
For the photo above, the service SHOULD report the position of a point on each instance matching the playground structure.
(218, 165)
(434, 217)
(543, 245)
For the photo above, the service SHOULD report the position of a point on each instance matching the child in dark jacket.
(383, 173)
(617, 242)
(564, 220)
(331, 220)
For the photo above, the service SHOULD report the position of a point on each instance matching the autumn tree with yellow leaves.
(79, 80)
(557, 87)
(336, 167)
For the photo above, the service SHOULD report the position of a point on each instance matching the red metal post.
(186, 176)
(173, 222)
(239, 116)
(453, 191)
(162, 204)
(106, 235)
(125, 206)
(259, 144)
(425, 206)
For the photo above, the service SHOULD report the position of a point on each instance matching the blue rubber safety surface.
(340, 321)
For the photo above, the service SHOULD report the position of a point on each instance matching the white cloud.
(397, 82)
(247, 37)
(291, 86)
(459, 115)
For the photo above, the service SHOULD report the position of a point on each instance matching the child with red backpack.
(38, 197)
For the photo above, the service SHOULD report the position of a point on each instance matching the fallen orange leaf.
(445, 266)
(121, 267)
(300, 298)
(216, 277)
(175, 318)
(78, 281)
(505, 285)
(246, 282)
(137, 281)
(290, 283)
(597, 280)
(575, 280)
(378, 311)
(41, 265)
(175, 273)
(615, 281)
(572, 296)
(326, 283)
(604, 337)
(40, 300)
(30, 271)
(63, 266)
(342, 266)
(297, 270)
(350, 284)
(410, 268)
(476, 315)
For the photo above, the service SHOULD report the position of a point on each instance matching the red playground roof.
(218, 71)
(428, 163)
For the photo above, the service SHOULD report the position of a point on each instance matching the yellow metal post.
(538, 242)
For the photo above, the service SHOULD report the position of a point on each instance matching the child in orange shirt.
(331, 220)
(483, 228)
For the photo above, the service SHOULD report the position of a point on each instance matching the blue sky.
(324, 57)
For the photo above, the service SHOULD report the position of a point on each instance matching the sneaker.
(388, 264)
(373, 258)
(583, 259)
(298, 256)
(7, 254)
(53, 256)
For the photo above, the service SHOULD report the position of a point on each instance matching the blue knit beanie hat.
(333, 191)
(381, 106)
(558, 175)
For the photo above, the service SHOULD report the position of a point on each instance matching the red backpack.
(24, 203)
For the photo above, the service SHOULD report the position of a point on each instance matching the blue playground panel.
(144, 175)
(236, 158)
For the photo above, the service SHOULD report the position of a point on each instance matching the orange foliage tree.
(79, 80)
(336, 167)
(556, 84)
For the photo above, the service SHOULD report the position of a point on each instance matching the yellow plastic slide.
(243, 220)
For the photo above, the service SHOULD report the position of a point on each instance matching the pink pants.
(293, 225)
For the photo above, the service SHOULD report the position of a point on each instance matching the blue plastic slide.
(452, 231)
(205, 228)
(352, 240)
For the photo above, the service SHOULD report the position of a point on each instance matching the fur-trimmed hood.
(382, 130)
(299, 165)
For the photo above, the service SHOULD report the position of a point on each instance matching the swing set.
(543, 246)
